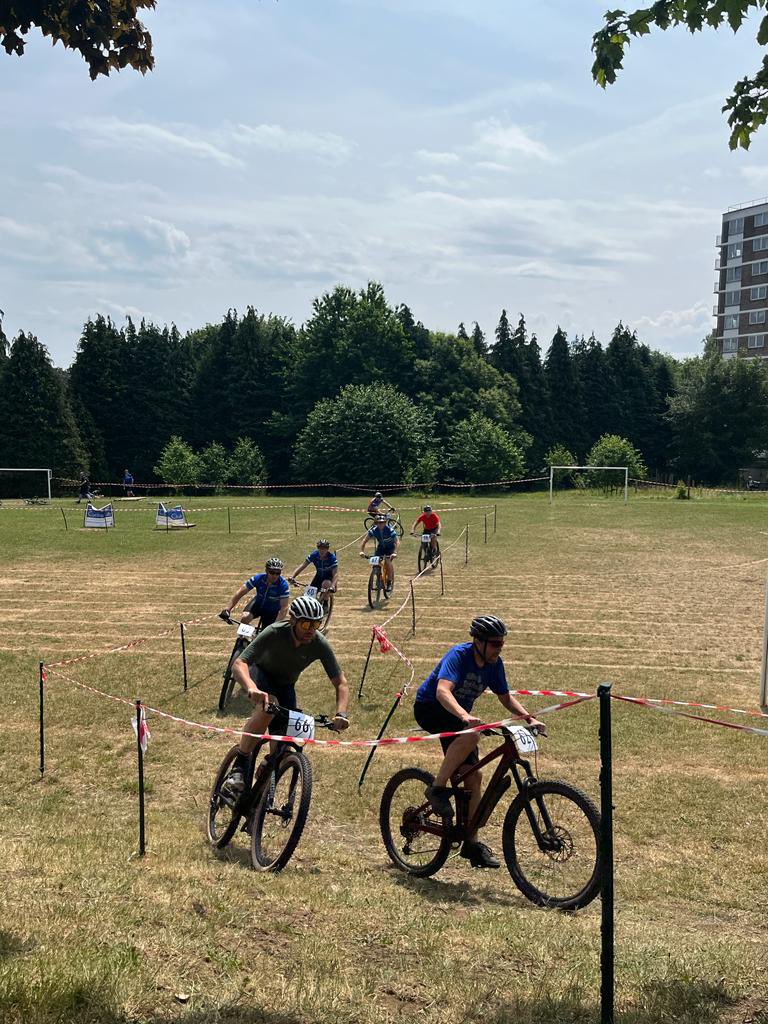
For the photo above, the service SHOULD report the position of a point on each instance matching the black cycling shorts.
(267, 617)
(432, 716)
(281, 693)
(318, 580)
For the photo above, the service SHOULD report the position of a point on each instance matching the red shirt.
(430, 521)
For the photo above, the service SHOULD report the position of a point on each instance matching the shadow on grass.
(682, 1000)
(434, 890)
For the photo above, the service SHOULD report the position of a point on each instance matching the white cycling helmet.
(306, 608)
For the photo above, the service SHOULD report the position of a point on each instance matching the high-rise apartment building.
(742, 282)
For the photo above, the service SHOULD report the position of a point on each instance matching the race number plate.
(374, 559)
(524, 740)
(300, 726)
(310, 591)
(245, 630)
(426, 538)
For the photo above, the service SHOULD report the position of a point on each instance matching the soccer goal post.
(623, 469)
(23, 482)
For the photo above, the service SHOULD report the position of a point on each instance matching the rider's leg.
(459, 750)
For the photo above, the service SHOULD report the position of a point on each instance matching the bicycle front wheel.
(228, 682)
(281, 812)
(403, 818)
(374, 586)
(423, 556)
(222, 818)
(551, 845)
(328, 609)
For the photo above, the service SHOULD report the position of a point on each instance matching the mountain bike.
(429, 551)
(380, 582)
(550, 833)
(245, 633)
(274, 805)
(325, 597)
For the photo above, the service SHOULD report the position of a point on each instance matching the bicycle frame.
(509, 762)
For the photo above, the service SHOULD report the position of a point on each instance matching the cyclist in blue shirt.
(326, 567)
(376, 501)
(270, 600)
(387, 542)
(444, 704)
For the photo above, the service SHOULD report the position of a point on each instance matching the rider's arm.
(246, 659)
(300, 568)
(513, 704)
(444, 694)
(365, 541)
(233, 601)
(415, 524)
(283, 612)
(342, 692)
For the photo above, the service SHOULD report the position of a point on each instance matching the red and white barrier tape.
(402, 486)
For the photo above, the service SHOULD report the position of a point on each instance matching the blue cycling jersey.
(324, 567)
(385, 537)
(469, 681)
(268, 595)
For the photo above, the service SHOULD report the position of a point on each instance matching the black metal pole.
(485, 528)
(229, 520)
(63, 516)
(466, 544)
(365, 669)
(606, 857)
(309, 517)
(382, 730)
(140, 755)
(413, 610)
(183, 653)
(42, 718)
(442, 578)
(295, 522)
(494, 518)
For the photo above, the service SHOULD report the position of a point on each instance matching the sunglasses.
(495, 643)
(273, 572)
(305, 625)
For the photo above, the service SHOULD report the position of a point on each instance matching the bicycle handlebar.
(323, 721)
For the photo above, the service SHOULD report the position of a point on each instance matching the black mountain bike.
(245, 633)
(274, 805)
(550, 833)
(429, 551)
(393, 518)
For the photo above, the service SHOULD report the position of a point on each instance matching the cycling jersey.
(373, 504)
(430, 521)
(324, 567)
(275, 653)
(460, 668)
(268, 595)
(385, 537)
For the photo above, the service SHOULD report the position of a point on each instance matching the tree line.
(363, 392)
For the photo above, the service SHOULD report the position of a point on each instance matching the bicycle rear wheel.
(228, 684)
(551, 845)
(402, 817)
(374, 586)
(435, 553)
(222, 818)
(281, 812)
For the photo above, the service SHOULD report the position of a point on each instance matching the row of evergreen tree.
(131, 388)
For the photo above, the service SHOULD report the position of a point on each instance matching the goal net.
(32, 484)
(608, 479)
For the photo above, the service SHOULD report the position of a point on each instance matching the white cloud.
(505, 143)
(755, 175)
(432, 157)
(677, 321)
(150, 139)
(175, 240)
(324, 145)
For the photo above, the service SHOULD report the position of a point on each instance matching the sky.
(457, 152)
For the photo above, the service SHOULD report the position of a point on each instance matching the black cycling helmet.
(306, 608)
(323, 544)
(381, 519)
(378, 494)
(427, 508)
(274, 563)
(487, 627)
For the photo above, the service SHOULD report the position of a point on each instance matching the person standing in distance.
(444, 704)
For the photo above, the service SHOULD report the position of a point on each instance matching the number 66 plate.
(525, 741)
(300, 726)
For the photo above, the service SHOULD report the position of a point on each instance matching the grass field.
(663, 598)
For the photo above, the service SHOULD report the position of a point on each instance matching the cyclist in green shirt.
(269, 668)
